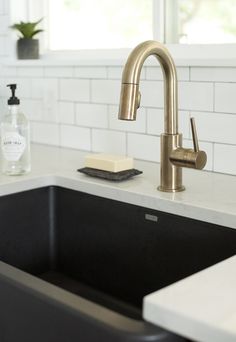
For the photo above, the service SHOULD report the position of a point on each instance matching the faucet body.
(173, 156)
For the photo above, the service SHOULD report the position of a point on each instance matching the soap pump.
(15, 138)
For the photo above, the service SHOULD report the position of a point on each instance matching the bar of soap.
(109, 162)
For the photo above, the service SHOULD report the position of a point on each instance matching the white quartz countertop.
(208, 197)
(201, 307)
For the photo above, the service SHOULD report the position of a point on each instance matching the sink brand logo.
(150, 217)
(13, 146)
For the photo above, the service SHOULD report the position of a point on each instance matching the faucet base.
(171, 175)
(161, 188)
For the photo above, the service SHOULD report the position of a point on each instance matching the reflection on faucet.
(173, 155)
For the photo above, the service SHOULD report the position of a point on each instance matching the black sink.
(103, 256)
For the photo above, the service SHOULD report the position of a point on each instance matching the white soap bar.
(109, 162)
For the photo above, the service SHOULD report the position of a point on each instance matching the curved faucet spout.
(173, 156)
(130, 96)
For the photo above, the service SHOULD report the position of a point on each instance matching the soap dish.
(112, 176)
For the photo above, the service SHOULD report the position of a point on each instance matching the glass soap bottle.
(15, 138)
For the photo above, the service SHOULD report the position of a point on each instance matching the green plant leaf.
(36, 32)
(27, 29)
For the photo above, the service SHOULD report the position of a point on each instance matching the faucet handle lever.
(187, 157)
(194, 135)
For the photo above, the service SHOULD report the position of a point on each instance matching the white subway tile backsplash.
(196, 96)
(224, 158)
(44, 88)
(183, 73)
(29, 71)
(66, 112)
(91, 115)
(47, 91)
(155, 73)
(59, 72)
(7, 71)
(144, 147)
(75, 137)
(74, 90)
(23, 87)
(1, 7)
(155, 122)
(37, 88)
(77, 106)
(84, 100)
(216, 127)
(50, 112)
(130, 126)
(225, 97)
(115, 72)
(105, 91)
(45, 133)
(152, 94)
(33, 109)
(3, 44)
(6, 6)
(91, 72)
(4, 23)
(108, 141)
(213, 74)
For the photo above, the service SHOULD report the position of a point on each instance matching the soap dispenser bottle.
(15, 138)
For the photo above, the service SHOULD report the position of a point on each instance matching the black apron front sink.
(82, 265)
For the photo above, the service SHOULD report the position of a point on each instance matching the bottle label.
(13, 146)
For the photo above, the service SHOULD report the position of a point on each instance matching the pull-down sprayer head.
(130, 96)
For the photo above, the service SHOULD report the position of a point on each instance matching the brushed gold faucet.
(173, 155)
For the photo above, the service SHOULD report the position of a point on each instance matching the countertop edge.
(89, 186)
(174, 309)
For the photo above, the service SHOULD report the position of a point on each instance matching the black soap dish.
(112, 176)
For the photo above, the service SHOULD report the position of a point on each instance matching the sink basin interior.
(103, 250)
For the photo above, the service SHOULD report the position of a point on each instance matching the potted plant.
(27, 46)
